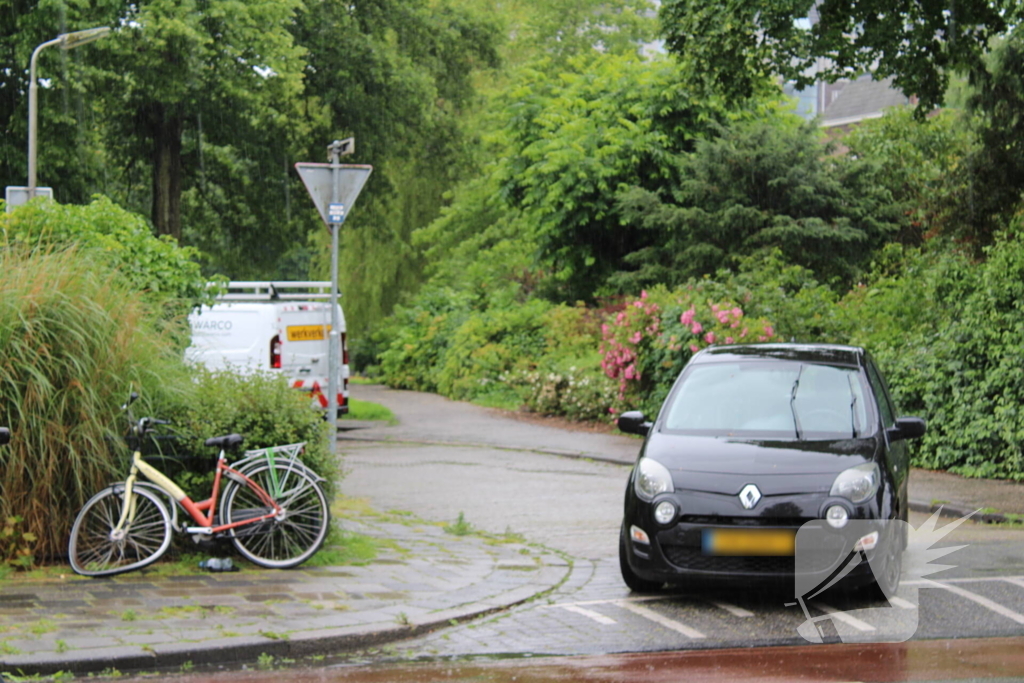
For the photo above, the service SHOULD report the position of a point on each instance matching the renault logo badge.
(749, 496)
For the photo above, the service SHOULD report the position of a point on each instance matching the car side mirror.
(5, 435)
(907, 428)
(634, 422)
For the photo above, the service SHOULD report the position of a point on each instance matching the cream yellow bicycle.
(272, 508)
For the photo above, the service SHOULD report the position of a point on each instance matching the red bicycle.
(272, 508)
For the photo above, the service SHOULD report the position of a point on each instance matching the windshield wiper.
(853, 406)
(792, 405)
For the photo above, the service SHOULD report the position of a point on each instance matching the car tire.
(887, 578)
(634, 582)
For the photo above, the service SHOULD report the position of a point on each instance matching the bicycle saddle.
(225, 442)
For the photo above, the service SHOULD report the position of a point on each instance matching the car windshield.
(776, 399)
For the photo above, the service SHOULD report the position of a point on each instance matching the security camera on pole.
(334, 188)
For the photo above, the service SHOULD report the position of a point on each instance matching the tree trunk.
(166, 129)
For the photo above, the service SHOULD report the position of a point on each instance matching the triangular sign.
(319, 182)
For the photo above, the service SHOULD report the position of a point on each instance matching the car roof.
(829, 354)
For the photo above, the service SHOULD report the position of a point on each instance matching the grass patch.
(500, 396)
(367, 410)
(460, 527)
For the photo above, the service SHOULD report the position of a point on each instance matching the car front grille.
(781, 522)
(693, 558)
(688, 557)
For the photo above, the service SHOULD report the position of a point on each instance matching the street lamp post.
(65, 41)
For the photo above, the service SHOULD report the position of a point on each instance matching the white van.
(276, 326)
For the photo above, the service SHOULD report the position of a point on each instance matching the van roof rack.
(276, 291)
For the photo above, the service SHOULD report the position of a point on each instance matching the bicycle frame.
(202, 512)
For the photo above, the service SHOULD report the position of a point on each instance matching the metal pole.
(33, 109)
(66, 41)
(333, 336)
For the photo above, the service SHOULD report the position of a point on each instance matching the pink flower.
(723, 316)
(769, 330)
(714, 308)
(604, 329)
(696, 328)
(687, 317)
(737, 312)
(729, 340)
(762, 338)
(643, 293)
(637, 336)
(709, 337)
(630, 372)
(743, 333)
(612, 411)
(694, 348)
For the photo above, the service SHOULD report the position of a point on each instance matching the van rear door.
(304, 329)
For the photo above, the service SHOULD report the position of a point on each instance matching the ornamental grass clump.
(74, 338)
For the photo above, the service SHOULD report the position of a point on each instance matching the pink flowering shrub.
(647, 343)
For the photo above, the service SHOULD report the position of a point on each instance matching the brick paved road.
(491, 471)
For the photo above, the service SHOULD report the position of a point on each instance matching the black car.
(753, 443)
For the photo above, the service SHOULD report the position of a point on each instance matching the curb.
(956, 511)
(247, 649)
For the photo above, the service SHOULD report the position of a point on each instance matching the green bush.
(166, 274)
(260, 406)
(73, 337)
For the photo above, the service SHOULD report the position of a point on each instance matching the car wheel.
(635, 583)
(887, 576)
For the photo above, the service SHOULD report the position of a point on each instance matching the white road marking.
(732, 609)
(590, 614)
(900, 602)
(981, 600)
(1015, 580)
(979, 579)
(844, 617)
(659, 619)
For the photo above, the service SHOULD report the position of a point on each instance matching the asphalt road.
(447, 458)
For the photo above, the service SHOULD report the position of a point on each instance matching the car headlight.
(857, 484)
(652, 478)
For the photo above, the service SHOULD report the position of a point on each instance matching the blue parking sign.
(335, 213)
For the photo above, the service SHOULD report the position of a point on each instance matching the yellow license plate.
(307, 332)
(748, 542)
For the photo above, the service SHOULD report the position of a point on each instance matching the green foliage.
(73, 336)
(17, 546)
(157, 268)
(762, 183)
(735, 49)
(570, 143)
(919, 162)
(260, 406)
(968, 380)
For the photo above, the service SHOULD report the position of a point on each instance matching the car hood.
(724, 465)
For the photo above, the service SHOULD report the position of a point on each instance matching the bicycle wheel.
(97, 549)
(293, 536)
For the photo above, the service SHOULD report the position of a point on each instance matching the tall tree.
(736, 46)
(230, 66)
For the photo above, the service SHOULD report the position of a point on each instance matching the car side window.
(881, 395)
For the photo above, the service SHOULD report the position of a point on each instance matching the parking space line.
(844, 617)
(968, 579)
(590, 614)
(732, 609)
(900, 602)
(659, 619)
(981, 600)
(641, 598)
(1015, 580)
